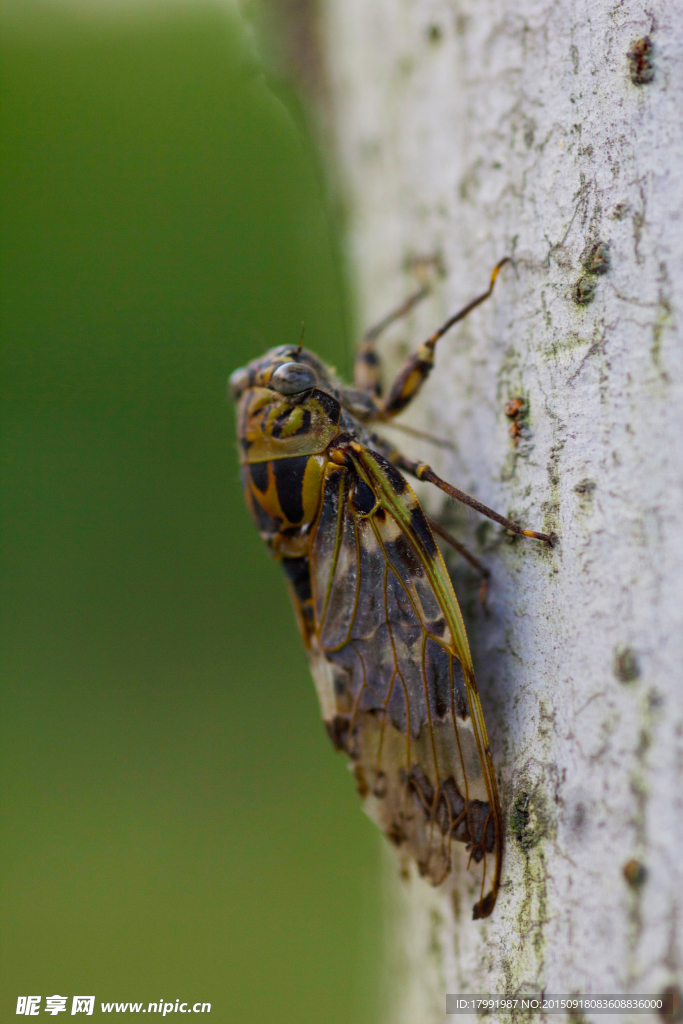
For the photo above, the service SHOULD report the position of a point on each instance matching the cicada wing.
(394, 673)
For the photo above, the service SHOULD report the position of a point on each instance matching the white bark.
(476, 129)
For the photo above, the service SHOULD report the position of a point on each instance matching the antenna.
(301, 342)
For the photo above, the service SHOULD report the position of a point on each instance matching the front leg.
(422, 471)
(418, 366)
(367, 369)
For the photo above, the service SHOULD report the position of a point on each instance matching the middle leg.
(424, 472)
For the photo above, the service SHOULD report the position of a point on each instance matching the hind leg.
(424, 472)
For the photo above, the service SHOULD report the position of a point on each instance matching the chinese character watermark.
(55, 1004)
(83, 1004)
(29, 1005)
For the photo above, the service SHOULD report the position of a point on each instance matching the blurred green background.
(175, 823)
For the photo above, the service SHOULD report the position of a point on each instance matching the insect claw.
(547, 537)
(484, 907)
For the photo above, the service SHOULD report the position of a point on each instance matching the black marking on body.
(462, 708)
(480, 819)
(330, 504)
(470, 823)
(396, 479)
(450, 812)
(298, 573)
(280, 421)
(289, 482)
(329, 404)
(438, 674)
(402, 552)
(361, 781)
(380, 787)
(363, 499)
(421, 527)
(338, 731)
(417, 781)
(269, 525)
(410, 635)
(284, 418)
(396, 833)
(259, 475)
(398, 710)
(305, 423)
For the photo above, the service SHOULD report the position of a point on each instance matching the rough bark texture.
(472, 130)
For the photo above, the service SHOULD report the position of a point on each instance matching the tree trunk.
(551, 133)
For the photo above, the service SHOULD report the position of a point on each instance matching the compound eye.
(292, 378)
(237, 382)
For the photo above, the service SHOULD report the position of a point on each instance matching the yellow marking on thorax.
(294, 421)
(257, 431)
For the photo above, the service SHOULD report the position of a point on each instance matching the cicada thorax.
(283, 443)
(275, 426)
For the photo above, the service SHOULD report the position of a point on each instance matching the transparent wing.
(394, 674)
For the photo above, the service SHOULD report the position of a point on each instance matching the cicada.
(374, 602)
